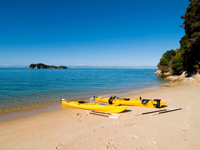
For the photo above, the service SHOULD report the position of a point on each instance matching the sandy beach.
(69, 128)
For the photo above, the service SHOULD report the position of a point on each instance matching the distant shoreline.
(91, 67)
(43, 66)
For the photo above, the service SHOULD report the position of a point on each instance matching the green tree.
(164, 64)
(176, 64)
(190, 43)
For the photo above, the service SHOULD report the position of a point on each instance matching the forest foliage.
(187, 57)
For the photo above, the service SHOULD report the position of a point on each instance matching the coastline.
(34, 110)
(23, 89)
(8, 116)
(69, 128)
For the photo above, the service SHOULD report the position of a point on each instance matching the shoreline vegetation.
(43, 66)
(187, 57)
(182, 66)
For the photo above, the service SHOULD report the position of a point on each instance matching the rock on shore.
(183, 79)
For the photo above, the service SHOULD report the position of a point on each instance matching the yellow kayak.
(155, 103)
(94, 106)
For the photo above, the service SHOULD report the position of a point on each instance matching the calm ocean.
(28, 88)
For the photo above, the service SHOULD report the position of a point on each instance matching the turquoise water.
(26, 88)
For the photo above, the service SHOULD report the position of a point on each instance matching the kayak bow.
(94, 106)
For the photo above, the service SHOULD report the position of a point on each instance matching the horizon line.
(90, 66)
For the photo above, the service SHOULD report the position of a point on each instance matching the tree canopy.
(164, 64)
(187, 58)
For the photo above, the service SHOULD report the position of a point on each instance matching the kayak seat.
(81, 102)
(110, 101)
(145, 101)
(127, 99)
(157, 105)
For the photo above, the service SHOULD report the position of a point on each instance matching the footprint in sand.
(59, 146)
(110, 145)
(139, 148)
(135, 137)
(116, 123)
(97, 140)
(185, 139)
(185, 129)
(152, 142)
(110, 141)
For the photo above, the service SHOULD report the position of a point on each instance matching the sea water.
(22, 88)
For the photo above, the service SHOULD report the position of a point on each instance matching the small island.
(43, 66)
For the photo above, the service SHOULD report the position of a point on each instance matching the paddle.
(104, 114)
(170, 110)
(161, 111)
(100, 112)
(150, 112)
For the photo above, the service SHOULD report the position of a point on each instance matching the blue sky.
(89, 32)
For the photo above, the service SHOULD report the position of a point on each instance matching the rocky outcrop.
(183, 79)
(43, 66)
(160, 73)
(197, 77)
